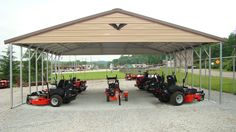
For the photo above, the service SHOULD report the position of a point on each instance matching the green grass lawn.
(95, 75)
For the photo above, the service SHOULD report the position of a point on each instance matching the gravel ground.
(143, 112)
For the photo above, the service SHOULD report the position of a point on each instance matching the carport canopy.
(114, 32)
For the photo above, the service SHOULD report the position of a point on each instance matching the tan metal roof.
(96, 34)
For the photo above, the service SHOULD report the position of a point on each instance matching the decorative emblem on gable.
(117, 26)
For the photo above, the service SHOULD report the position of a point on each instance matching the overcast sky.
(18, 17)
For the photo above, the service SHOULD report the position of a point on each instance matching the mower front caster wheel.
(126, 98)
(108, 99)
(177, 98)
(56, 101)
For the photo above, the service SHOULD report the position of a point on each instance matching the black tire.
(141, 88)
(66, 101)
(177, 98)
(202, 98)
(164, 99)
(85, 89)
(126, 98)
(80, 91)
(55, 101)
(27, 100)
(108, 99)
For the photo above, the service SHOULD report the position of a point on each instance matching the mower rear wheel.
(177, 98)
(55, 101)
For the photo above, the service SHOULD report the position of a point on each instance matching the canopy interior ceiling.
(114, 32)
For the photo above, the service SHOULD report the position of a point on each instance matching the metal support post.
(59, 65)
(51, 66)
(175, 63)
(205, 67)
(47, 69)
(221, 79)
(55, 66)
(234, 88)
(209, 76)
(75, 67)
(42, 68)
(180, 64)
(11, 87)
(166, 65)
(200, 68)
(36, 70)
(185, 63)
(29, 71)
(21, 88)
(192, 79)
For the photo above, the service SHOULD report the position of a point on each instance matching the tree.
(5, 66)
(138, 59)
(32, 66)
(229, 50)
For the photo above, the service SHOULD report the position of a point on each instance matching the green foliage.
(138, 59)
(33, 65)
(5, 66)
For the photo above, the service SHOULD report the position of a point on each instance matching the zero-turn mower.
(141, 80)
(176, 95)
(79, 84)
(64, 92)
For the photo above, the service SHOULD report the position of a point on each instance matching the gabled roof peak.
(115, 10)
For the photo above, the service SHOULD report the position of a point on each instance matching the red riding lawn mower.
(79, 84)
(4, 83)
(130, 76)
(176, 95)
(64, 92)
(141, 80)
(113, 92)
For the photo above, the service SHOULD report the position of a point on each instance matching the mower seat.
(171, 80)
(112, 85)
(74, 79)
(174, 88)
(61, 84)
